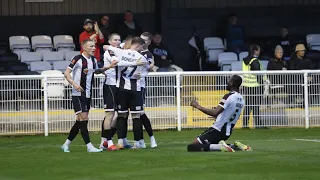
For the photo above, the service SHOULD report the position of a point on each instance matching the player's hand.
(141, 63)
(194, 103)
(163, 57)
(113, 63)
(105, 47)
(137, 76)
(78, 88)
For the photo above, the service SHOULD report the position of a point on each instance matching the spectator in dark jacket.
(129, 26)
(235, 35)
(277, 64)
(162, 57)
(286, 42)
(298, 61)
(105, 27)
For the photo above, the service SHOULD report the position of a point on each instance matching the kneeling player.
(227, 114)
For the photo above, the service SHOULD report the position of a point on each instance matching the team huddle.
(125, 70)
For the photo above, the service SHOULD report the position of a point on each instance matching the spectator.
(235, 35)
(105, 27)
(162, 57)
(252, 88)
(92, 31)
(278, 81)
(286, 42)
(277, 63)
(129, 26)
(298, 61)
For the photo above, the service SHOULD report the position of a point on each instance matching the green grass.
(276, 156)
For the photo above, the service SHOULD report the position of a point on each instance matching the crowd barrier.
(41, 104)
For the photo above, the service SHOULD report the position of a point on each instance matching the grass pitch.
(278, 154)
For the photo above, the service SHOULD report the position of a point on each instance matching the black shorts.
(212, 136)
(110, 97)
(143, 91)
(128, 99)
(81, 104)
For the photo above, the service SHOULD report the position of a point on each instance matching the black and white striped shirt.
(82, 74)
(128, 79)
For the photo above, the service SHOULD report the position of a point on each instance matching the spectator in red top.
(92, 31)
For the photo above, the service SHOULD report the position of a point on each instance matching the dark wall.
(55, 25)
(257, 21)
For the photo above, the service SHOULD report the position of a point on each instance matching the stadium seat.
(29, 57)
(40, 66)
(313, 40)
(63, 42)
(69, 55)
(212, 41)
(243, 55)
(50, 56)
(61, 65)
(227, 56)
(236, 66)
(19, 43)
(8, 58)
(41, 43)
(213, 54)
(55, 83)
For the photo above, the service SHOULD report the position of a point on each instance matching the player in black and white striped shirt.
(110, 91)
(129, 93)
(145, 120)
(83, 68)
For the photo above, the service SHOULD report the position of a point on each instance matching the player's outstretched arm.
(112, 65)
(211, 112)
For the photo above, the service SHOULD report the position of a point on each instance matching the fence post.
(178, 85)
(45, 104)
(306, 99)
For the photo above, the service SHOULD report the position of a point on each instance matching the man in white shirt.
(227, 114)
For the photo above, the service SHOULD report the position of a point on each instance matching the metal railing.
(41, 104)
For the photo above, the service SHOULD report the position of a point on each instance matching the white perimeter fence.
(41, 104)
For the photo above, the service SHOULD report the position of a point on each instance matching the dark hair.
(138, 40)
(128, 11)
(157, 33)
(86, 41)
(252, 48)
(236, 81)
(147, 34)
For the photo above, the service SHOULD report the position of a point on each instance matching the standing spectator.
(278, 81)
(298, 61)
(252, 88)
(162, 57)
(277, 63)
(92, 31)
(129, 26)
(286, 42)
(235, 35)
(105, 27)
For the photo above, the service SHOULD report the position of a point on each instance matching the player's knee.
(83, 116)
(191, 148)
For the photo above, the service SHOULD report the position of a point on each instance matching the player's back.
(233, 104)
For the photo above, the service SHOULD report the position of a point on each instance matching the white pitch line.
(308, 140)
